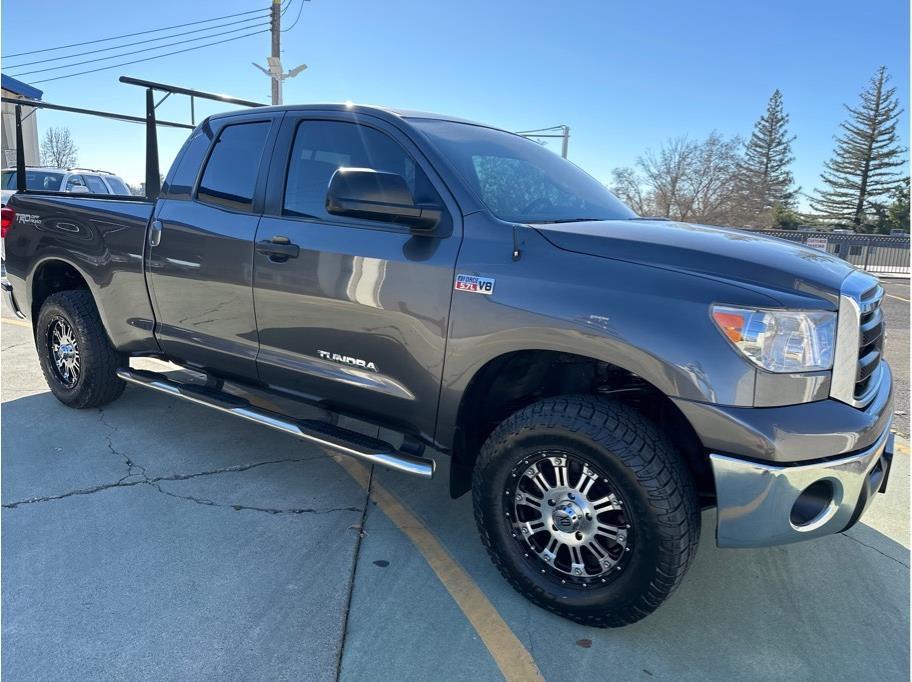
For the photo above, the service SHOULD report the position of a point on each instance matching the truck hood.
(700, 249)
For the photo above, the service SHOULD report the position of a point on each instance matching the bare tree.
(58, 149)
(629, 188)
(684, 180)
(711, 181)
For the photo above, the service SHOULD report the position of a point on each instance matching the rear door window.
(181, 181)
(96, 184)
(230, 176)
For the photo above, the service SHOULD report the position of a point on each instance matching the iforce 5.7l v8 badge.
(475, 285)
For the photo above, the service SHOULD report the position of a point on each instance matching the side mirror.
(79, 189)
(375, 195)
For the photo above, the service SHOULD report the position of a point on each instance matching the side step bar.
(319, 433)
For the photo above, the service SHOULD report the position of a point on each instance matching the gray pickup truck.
(425, 284)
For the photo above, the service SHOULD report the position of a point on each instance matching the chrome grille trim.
(860, 297)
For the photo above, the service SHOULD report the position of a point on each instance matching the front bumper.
(762, 504)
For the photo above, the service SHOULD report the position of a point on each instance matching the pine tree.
(765, 180)
(867, 154)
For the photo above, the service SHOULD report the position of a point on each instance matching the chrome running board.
(319, 433)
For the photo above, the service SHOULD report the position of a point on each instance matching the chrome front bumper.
(761, 504)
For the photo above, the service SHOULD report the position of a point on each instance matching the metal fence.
(877, 253)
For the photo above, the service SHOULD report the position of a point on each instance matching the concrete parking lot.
(158, 539)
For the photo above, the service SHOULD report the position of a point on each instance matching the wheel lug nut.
(578, 572)
(579, 536)
(571, 496)
(551, 502)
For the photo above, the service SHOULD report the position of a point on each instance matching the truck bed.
(102, 239)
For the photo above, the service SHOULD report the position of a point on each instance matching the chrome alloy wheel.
(64, 351)
(567, 516)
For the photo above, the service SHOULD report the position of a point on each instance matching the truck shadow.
(835, 607)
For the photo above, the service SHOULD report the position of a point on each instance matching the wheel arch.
(515, 379)
(50, 276)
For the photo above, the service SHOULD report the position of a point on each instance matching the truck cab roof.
(368, 109)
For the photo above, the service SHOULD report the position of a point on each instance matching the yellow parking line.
(514, 661)
(18, 323)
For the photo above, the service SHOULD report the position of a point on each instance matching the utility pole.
(275, 59)
(276, 30)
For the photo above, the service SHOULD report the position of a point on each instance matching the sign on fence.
(817, 243)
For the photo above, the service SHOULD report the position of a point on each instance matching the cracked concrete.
(154, 539)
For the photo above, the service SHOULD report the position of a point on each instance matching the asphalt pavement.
(158, 539)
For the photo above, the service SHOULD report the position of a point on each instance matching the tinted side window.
(321, 147)
(181, 180)
(231, 172)
(96, 185)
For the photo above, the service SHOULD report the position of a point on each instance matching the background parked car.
(76, 180)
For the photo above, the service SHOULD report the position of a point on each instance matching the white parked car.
(76, 180)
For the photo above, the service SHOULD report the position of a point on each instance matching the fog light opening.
(814, 506)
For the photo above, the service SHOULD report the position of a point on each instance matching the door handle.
(278, 249)
(155, 233)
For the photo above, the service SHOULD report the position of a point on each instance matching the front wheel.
(77, 358)
(587, 509)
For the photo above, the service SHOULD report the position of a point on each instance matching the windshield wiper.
(651, 217)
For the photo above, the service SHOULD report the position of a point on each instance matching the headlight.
(780, 340)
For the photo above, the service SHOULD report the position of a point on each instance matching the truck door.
(350, 312)
(200, 253)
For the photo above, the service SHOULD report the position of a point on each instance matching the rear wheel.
(586, 509)
(77, 358)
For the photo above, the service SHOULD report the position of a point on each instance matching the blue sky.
(624, 75)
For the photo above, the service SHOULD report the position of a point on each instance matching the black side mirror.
(375, 195)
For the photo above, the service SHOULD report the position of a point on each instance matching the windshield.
(34, 179)
(519, 180)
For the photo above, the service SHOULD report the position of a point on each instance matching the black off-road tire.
(97, 383)
(641, 464)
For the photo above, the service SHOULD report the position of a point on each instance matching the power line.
(146, 59)
(138, 42)
(145, 49)
(300, 7)
(138, 33)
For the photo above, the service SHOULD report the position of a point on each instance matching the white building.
(22, 91)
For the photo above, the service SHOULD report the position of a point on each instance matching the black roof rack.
(153, 182)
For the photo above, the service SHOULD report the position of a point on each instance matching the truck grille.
(858, 367)
(870, 345)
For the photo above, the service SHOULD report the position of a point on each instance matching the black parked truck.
(595, 378)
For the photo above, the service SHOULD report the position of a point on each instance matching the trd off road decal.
(28, 218)
(475, 285)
